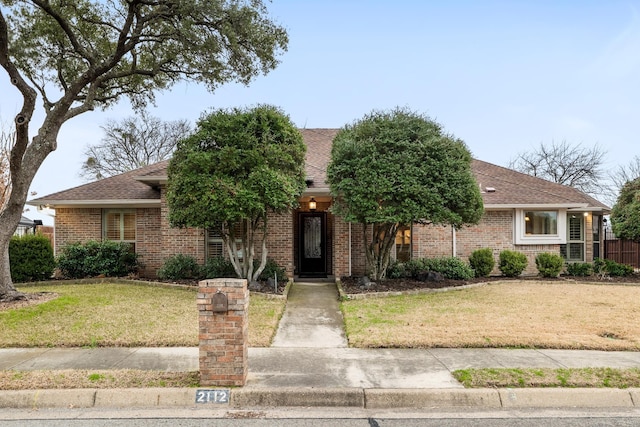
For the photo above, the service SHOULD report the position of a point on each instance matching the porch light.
(312, 204)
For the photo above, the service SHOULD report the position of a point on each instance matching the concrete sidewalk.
(310, 365)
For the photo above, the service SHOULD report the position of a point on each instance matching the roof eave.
(130, 203)
(153, 180)
(568, 206)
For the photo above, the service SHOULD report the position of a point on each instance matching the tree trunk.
(263, 257)
(7, 290)
(378, 250)
(245, 268)
(9, 220)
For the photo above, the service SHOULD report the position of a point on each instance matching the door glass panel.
(312, 237)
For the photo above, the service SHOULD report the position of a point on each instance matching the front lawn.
(561, 315)
(122, 315)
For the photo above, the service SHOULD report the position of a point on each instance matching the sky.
(503, 76)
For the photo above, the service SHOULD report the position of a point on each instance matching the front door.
(313, 244)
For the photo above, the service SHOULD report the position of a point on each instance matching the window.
(596, 224)
(540, 227)
(541, 222)
(120, 226)
(403, 244)
(215, 245)
(574, 249)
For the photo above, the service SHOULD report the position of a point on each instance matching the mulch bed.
(29, 300)
(354, 285)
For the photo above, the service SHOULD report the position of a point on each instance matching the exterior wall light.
(312, 204)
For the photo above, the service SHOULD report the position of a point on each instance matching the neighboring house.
(522, 213)
(26, 226)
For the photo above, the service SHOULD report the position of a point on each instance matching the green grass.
(547, 377)
(122, 315)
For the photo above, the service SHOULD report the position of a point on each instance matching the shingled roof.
(501, 187)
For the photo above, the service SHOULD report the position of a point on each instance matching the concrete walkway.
(312, 318)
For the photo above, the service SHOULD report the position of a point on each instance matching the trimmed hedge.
(93, 258)
(549, 265)
(482, 262)
(581, 269)
(31, 258)
(180, 267)
(450, 267)
(512, 263)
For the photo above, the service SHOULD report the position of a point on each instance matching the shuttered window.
(215, 246)
(574, 249)
(119, 225)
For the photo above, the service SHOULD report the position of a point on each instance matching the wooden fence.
(622, 250)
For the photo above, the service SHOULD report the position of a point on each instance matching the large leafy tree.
(78, 55)
(239, 165)
(395, 168)
(625, 214)
(132, 143)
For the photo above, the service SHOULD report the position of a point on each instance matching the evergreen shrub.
(31, 258)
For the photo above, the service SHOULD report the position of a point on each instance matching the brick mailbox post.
(223, 315)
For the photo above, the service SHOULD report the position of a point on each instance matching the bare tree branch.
(132, 143)
(565, 163)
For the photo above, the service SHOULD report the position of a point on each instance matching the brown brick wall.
(495, 231)
(156, 241)
(174, 241)
(148, 240)
(77, 225)
(279, 241)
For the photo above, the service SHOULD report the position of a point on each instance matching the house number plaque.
(213, 396)
(219, 302)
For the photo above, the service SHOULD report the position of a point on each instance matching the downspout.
(453, 241)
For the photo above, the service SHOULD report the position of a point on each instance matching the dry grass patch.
(126, 378)
(264, 315)
(517, 378)
(509, 314)
(121, 315)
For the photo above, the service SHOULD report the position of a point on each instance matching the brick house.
(522, 213)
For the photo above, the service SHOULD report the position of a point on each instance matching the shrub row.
(31, 259)
(510, 264)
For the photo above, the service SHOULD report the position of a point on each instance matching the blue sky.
(503, 76)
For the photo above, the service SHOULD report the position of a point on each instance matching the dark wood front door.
(313, 244)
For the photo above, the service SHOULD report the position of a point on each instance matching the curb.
(337, 397)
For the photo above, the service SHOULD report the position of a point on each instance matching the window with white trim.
(541, 223)
(119, 225)
(540, 227)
